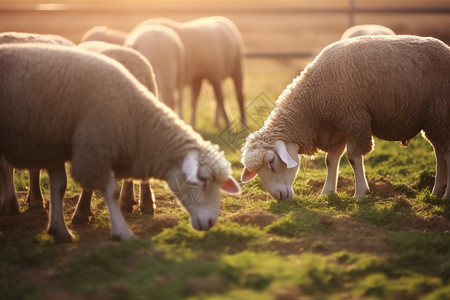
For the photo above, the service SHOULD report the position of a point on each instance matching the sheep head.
(277, 166)
(197, 182)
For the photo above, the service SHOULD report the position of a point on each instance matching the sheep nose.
(210, 223)
(205, 225)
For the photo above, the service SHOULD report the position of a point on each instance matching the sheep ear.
(247, 175)
(281, 149)
(231, 186)
(190, 166)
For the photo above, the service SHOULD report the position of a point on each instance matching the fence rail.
(351, 10)
(49, 7)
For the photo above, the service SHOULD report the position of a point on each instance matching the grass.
(393, 244)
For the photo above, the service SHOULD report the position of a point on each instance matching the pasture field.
(393, 244)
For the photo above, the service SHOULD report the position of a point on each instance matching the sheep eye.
(202, 178)
(271, 165)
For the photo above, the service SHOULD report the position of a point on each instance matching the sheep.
(140, 68)
(53, 110)
(391, 87)
(164, 50)
(214, 51)
(366, 29)
(104, 34)
(143, 72)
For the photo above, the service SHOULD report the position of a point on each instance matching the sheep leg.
(441, 170)
(217, 86)
(447, 192)
(10, 205)
(146, 199)
(238, 86)
(126, 198)
(83, 209)
(332, 160)
(180, 102)
(196, 86)
(119, 229)
(357, 162)
(35, 199)
(58, 183)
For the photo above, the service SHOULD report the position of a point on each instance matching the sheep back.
(163, 48)
(23, 37)
(104, 34)
(366, 29)
(130, 59)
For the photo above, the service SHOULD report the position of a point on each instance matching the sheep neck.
(160, 140)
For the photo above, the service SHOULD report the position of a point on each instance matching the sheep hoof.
(127, 206)
(361, 195)
(34, 202)
(79, 219)
(61, 237)
(147, 209)
(117, 237)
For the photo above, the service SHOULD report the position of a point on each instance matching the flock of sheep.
(106, 105)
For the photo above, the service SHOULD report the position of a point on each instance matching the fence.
(351, 11)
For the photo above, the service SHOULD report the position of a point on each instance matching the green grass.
(393, 244)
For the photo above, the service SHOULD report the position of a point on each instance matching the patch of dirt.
(205, 285)
(152, 226)
(34, 221)
(433, 224)
(344, 185)
(379, 186)
(288, 293)
(257, 218)
(165, 201)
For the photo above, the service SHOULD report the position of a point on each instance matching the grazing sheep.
(139, 67)
(214, 52)
(53, 110)
(367, 29)
(164, 50)
(104, 34)
(391, 87)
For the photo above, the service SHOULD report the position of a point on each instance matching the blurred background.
(295, 27)
(280, 37)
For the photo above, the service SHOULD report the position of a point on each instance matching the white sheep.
(366, 29)
(164, 50)
(65, 104)
(142, 71)
(104, 34)
(391, 87)
(214, 51)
